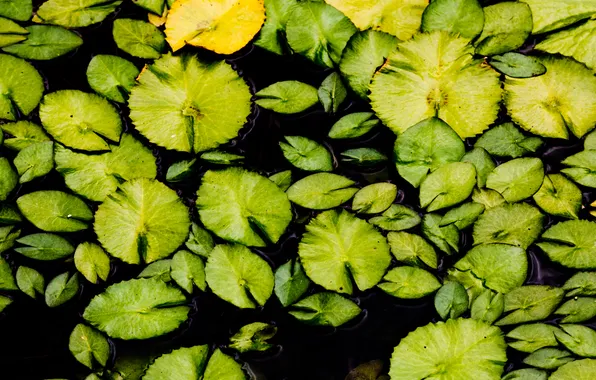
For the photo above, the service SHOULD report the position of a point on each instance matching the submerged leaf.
(325, 309)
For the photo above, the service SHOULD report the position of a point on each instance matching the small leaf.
(571, 243)
(526, 374)
(138, 38)
(7, 280)
(75, 14)
(306, 154)
(199, 241)
(89, 346)
(483, 163)
(447, 186)
(558, 196)
(35, 161)
(45, 42)
(45, 247)
(488, 306)
(253, 337)
(517, 65)
(353, 125)
(219, 157)
(287, 97)
(375, 198)
(325, 309)
(112, 76)
(409, 283)
(445, 238)
(506, 140)
(582, 168)
(507, 25)
(188, 270)
(8, 236)
(321, 191)
(4, 302)
(332, 93)
(451, 300)
(581, 284)
(577, 310)
(290, 282)
(92, 262)
(23, 134)
(272, 36)
(396, 218)
(9, 179)
(463, 17)
(517, 224)
(580, 340)
(159, 270)
(55, 211)
(180, 171)
(548, 358)
(282, 179)
(61, 289)
(463, 216)
(412, 249)
(532, 337)
(363, 156)
(530, 303)
(517, 179)
(30, 281)
(488, 198)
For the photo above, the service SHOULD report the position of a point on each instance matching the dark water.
(34, 338)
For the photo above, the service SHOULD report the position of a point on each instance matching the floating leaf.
(8, 235)
(89, 346)
(222, 366)
(30, 281)
(549, 15)
(505, 140)
(9, 214)
(238, 276)
(447, 186)
(175, 104)
(507, 25)
(581, 284)
(282, 179)
(463, 17)
(55, 211)
(530, 303)
(578, 43)
(580, 340)
(71, 14)
(243, 207)
(445, 238)
(290, 282)
(558, 196)
(412, 249)
(7, 280)
(22, 87)
(9, 179)
(219, 157)
(45, 42)
(112, 76)
(577, 310)
(571, 243)
(4, 302)
(582, 168)
(19, 10)
(463, 216)
(188, 270)
(92, 261)
(183, 363)
(157, 7)
(396, 218)
(483, 163)
(517, 179)
(548, 358)
(332, 93)
(272, 36)
(143, 221)
(325, 309)
(409, 283)
(137, 309)
(287, 97)
(306, 154)
(35, 161)
(532, 337)
(138, 38)
(321, 191)
(338, 247)
(516, 65)
(456, 349)
(24, 134)
(61, 289)
(375, 198)
(363, 156)
(576, 370)
(199, 241)
(353, 125)
(516, 224)
(45, 247)
(159, 270)
(253, 337)
(451, 300)
(526, 374)
(488, 306)
(488, 198)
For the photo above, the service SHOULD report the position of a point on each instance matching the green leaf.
(451, 300)
(581, 284)
(92, 262)
(558, 196)
(532, 337)
(80, 120)
(306, 154)
(89, 346)
(4, 302)
(188, 270)
(463, 17)
(282, 179)
(338, 247)
(363, 156)
(112, 76)
(367, 371)
(353, 125)
(159, 270)
(35, 161)
(71, 14)
(363, 54)
(137, 309)
(138, 38)
(243, 207)
(55, 211)
(24, 134)
(11, 32)
(576, 370)
(424, 148)
(517, 224)
(156, 7)
(589, 141)
(175, 104)
(530, 303)
(222, 366)
(571, 244)
(45, 42)
(22, 87)
(9, 214)
(321, 191)
(7, 281)
(456, 349)
(548, 358)
(238, 276)
(45, 247)
(435, 75)
(445, 238)
(561, 101)
(549, 15)
(396, 218)
(199, 241)
(488, 306)
(19, 10)
(526, 374)
(185, 363)
(287, 97)
(505, 140)
(577, 310)
(483, 163)
(375, 198)
(582, 168)
(290, 282)
(219, 157)
(8, 235)
(253, 337)
(332, 93)
(488, 198)
(578, 43)
(507, 25)
(319, 32)
(272, 36)
(463, 216)
(143, 221)
(516, 65)
(501, 267)
(61, 289)
(447, 186)
(412, 249)
(580, 340)
(9, 179)
(30, 281)
(325, 309)
(409, 283)
(517, 179)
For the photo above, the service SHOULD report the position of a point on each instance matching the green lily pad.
(8, 236)
(180, 171)
(188, 271)
(434, 74)
(571, 243)
(61, 289)
(9, 214)
(172, 106)
(287, 97)
(243, 207)
(364, 53)
(332, 93)
(19, 10)
(199, 241)
(577, 310)
(319, 32)
(80, 120)
(447, 186)
(363, 156)
(516, 65)
(576, 370)
(4, 302)
(92, 262)
(238, 276)
(55, 211)
(530, 303)
(325, 309)
(137, 309)
(559, 196)
(483, 163)
(424, 148)
(321, 191)
(409, 283)
(306, 154)
(219, 157)
(412, 249)
(561, 101)
(526, 374)
(7, 280)
(446, 238)
(548, 358)
(582, 168)
(185, 363)
(456, 349)
(282, 179)
(532, 337)
(30, 281)
(35, 161)
(396, 218)
(143, 221)
(139, 38)
(156, 7)
(11, 32)
(9, 179)
(338, 247)
(353, 125)
(505, 140)
(89, 346)
(253, 337)
(112, 76)
(462, 17)
(160, 270)
(45, 247)
(488, 306)
(580, 340)
(517, 179)
(71, 14)
(507, 25)
(463, 216)
(451, 301)
(22, 87)
(290, 282)
(517, 224)
(581, 284)
(272, 36)
(45, 42)
(578, 43)
(222, 366)
(549, 15)
(24, 134)
(487, 197)
(375, 198)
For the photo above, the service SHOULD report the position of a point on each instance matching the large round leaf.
(21, 87)
(189, 105)
(243, 207)
(462, 349)
(55, 211)
(143, 221)
(516, 224)
(434, 74)
(338, 247)
(571, 244)
(137, 309)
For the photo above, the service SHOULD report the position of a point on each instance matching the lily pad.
(409, 283)
(507, 25)
(290, 282)
(138, 38)
(463, 17)
(222, 366)
(396, 218)
(446, 238)
(532, 337)
(9, 214)
(180, 171)
(61, 289)
(505, 140)
(434, 74)
(188, 271)
(71, 14)
(89, 346)
(530, 303)
(185, 363)
(199, 241)
(463, 216)
(9, 179)
(272, 36)
(451, 301)
(23, 134)
(253, 337)
(30, 281)
(92, 262)
(287, 97)
(306, 154)
(576, 370)
(160, 270)
(332, 93)
(577, 310)
(488, 306)
(447, 186)
(353, 125)
(578, 43)
(548, 358)
(516, 65)
(488, 198)
(8, 236)
(112, 76)
(11, 32)
(582, 168)
(559, 196)
(516, 224)
(571, 243)
(22, 87)
(7, 280)
(363, 156)
(483, 163)
(548, 15)
(282, 179)
(321, 191)
(338, 247)
(581, 284)
(526, 374)
(143, 221)
(375, 198)
(35, 161)
(45, 42)
(581, 340)
(412, 249)
(174, 104)
(44, 247)
(325, 309)
(55, 211)
(517, 179)
(19, 10)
